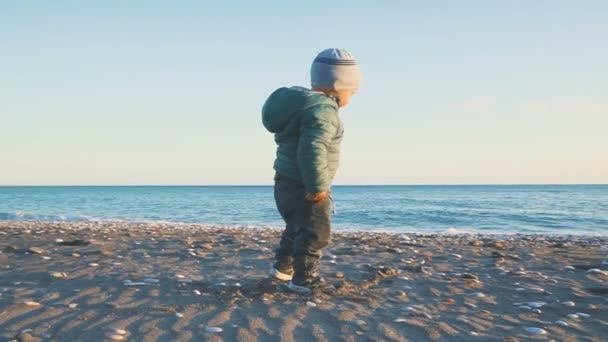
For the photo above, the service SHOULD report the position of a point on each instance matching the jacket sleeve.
(317, 129)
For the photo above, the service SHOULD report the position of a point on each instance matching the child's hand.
(317, 197)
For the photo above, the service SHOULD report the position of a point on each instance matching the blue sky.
(157, 92)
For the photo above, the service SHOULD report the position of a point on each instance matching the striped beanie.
(335, 69)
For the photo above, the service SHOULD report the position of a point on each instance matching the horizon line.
(271, 184)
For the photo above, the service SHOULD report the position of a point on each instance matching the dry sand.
(79, 281)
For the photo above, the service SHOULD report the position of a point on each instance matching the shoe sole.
(279, 275)
(299, 289)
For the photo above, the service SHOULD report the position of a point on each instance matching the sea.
(493, 209)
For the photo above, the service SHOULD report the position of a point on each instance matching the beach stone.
(36, 250)
(179, 315)
(568, 303)
(536, 304)
(115, 337)
(214, 329)
(457, 256)
(469, 276)
(197, 292)
(569, 268)
(58, 275)
(339, 275)
(535, 331)
(399, 320)
(474, 333)
(498, 244)
(72, 305)
(597, 271)
(537, 311)
(74, 243)
(573, 316)
(25, 337)
(471, 305)
(449, 301)
(93, 264)
(311, 304)
(561, 323)
(476, 243)
(151, 280)
(496, 254)
(118, 331)
(32, 303)
(580, 314)
(206, 246)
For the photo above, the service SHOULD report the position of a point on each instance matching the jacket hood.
(286, 103)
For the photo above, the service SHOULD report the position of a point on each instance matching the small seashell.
(179, 315)
(46, 257)
(457, 256)
(214, 329)
(569, 268)
(58, 240)
(473, 333)
(311, 304)
(72, 305)
(32, 303)
(197, 292)
(535, 331)
(93, 264)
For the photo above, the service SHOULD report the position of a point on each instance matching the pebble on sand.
(573, 316)
(535, 330)
(580, 314)
(562, 323)
(311, 304)
(36, 250)
(568, 303)
(179, 315)
(93, 264)
(597, 271)
(115, 337)
(118, 331)
(32, 303)
(214, 329)
(72, 305)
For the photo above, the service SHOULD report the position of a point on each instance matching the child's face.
(344, 97)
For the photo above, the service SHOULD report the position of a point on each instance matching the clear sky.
(170, 92)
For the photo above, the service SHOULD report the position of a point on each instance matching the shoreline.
(123, 224)
(165, 282)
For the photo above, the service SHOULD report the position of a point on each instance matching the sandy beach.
(162, 282)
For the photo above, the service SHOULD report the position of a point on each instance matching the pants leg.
(307, 226)
(289, 197)
(312, 237)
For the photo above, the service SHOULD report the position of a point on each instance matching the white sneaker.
(279, 275)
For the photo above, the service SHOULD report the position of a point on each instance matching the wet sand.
(162, 282)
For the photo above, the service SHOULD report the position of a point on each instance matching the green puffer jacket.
(308, 133)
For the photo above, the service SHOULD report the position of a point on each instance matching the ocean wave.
(27, 216)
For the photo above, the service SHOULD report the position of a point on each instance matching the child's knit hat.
(335, 69)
